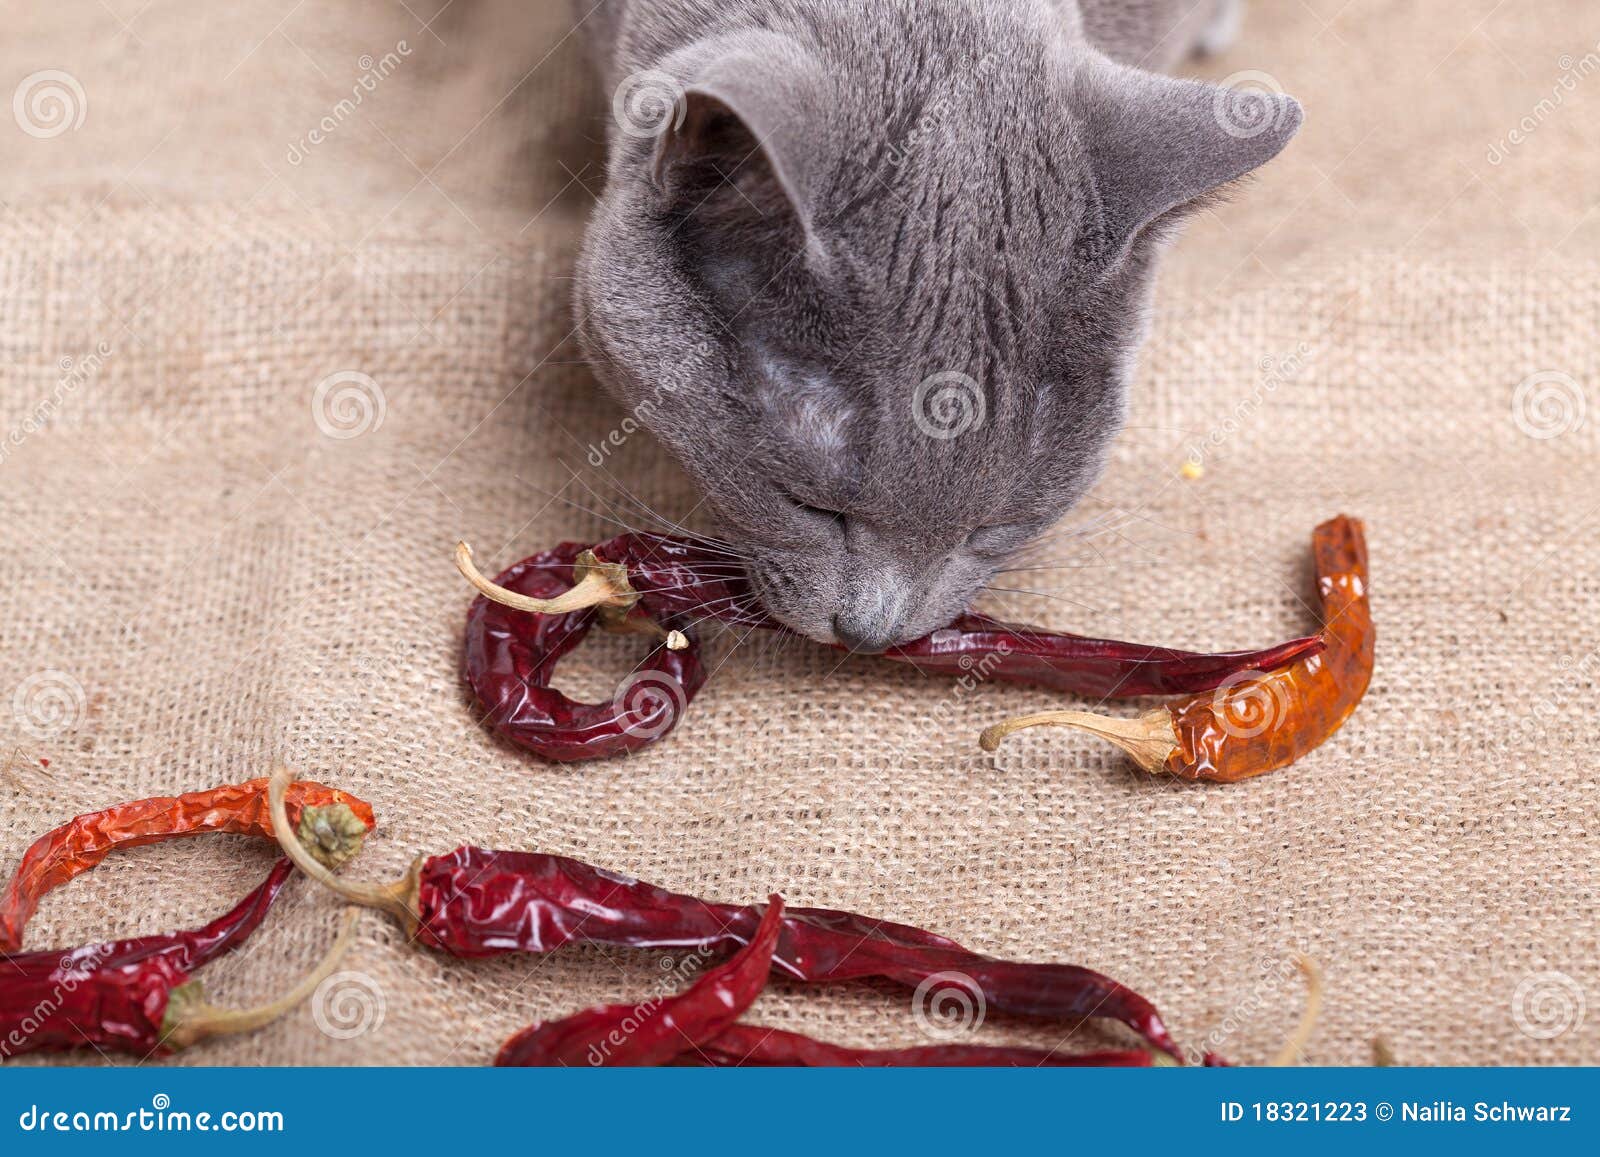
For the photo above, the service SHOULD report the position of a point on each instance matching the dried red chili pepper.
(757, 1046)
(542, 608)
(511, 657)
(1263, 721)
(654, 1033)
(81, 843)
(136, 996)
(473, 902)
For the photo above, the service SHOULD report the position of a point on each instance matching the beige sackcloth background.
(200, 579)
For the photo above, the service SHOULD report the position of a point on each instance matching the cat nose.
(862, 637)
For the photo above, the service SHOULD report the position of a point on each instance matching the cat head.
(884, 312)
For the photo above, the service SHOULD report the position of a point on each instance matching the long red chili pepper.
(473, 902)
(1262, 721)
(537, 611)
(757, 1046)
(81, 843)
(136, 996)
(653, 1033)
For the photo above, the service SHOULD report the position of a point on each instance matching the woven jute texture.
(206, 565)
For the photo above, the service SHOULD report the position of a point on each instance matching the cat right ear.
(747, 123)
(1158, 146)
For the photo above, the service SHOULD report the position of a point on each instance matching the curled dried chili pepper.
(757, 1046)
(653, 1033)
(473, 902)
(136, 996)
(1261, 721)
(81, 843)
(539, 610)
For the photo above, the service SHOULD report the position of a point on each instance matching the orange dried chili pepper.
(241, 809)
(1258, 722)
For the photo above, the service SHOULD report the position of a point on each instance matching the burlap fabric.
(207, 567)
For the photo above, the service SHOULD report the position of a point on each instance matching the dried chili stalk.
(539, 610)
(81, 843)
(1261, 722)
(474, 902)
(653, 1033)
(136, 996)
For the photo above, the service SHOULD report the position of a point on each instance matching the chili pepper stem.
(600, 584)
(190, 1018)
(618, 621)
(398, 899)
(1150, 738)
(1295, 1045)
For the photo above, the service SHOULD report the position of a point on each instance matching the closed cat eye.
(815, 511)
(999, 539)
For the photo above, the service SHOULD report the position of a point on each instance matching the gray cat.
(875, 271)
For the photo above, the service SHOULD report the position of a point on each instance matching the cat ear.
(1158, 144)
(748, 118)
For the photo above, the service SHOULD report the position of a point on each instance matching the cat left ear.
(1158, 145)
(750, 115)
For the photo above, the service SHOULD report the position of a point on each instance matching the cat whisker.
(1039, 594)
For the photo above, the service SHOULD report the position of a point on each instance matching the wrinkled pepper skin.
(756, 1046)
(511, 655)
(113, 996)
(473, 902)
(655, 1032)
(81, 843)
(1093, 668)
(1270, 721)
